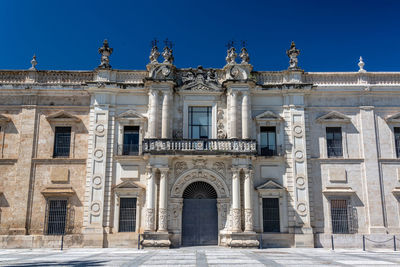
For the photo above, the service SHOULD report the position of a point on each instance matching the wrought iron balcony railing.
(199, 146)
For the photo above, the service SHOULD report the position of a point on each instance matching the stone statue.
(167, 55)
(361, 65)
(231, 56)
(105, 52)
(33, 62)
(244, 55)
(154, 54)
(293, 53)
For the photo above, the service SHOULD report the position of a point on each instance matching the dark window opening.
(62, 142)
(200, 122)
(57, 216)
(397, 140)
(127, 214)
(334, 141)
(131, 140)
(271, 221)
(339, 215)
(268, 141)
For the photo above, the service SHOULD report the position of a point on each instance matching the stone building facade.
(197, 156)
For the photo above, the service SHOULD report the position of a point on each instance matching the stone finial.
(167, 52)
(231, 56)
(361, 65)
(293, 53)
(154, 54)
(105, 52)
(244, 55)
(33, 62)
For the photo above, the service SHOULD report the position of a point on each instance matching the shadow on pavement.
(67, 263)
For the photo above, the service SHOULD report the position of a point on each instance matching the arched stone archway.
(210, 177)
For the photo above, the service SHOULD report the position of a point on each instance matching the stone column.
(248, 207)
(246, 116)
(233, 114)
(149, 225)
(165, 115)
(163, 205)
(236, 215)
(153, 97)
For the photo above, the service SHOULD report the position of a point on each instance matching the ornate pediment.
(334, 117)
(127, 184)
(271, 185)
(62, 116)
(4, 119)
(199, 80)
(395, 118)
(130, 115)
(268, 116)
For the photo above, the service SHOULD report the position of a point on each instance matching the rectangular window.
(200, 122)
(334, 141)
(339, 215)
(131, 140)
(127, 214)
(271, 221)
(62, 142)
(57, 216)
(397, 140)
(268, 141)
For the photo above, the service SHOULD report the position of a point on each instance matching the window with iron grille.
(131, 140)
(397, 140)
(62, 142)
(268, 141)
(200, 122)
(340, 216)
(127, 214)
(56, 217)
(334, 141)
(271, 221)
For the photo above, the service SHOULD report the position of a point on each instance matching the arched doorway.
(199, 216)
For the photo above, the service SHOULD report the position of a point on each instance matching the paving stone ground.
(197, 256)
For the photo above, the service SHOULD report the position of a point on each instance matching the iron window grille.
(62, 142)
(268, 145)
(127, 214)
(341, 216)
(200, 122)
(131, 141)
(334, 141)
(397, 140)
(56, 216)
(271, 221)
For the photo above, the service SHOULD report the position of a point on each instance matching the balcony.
(200, 146)
(128, 150)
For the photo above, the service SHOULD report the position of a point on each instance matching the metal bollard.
(394, 243)
(363, 242)
(333, 246)
(138, 242)
(260, 241)
(62, 241)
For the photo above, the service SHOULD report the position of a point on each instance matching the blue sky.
(330, 34)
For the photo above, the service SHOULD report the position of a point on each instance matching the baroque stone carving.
(248, 219)
(167, 55)
(361, 65)
(221, 134)
(236, 219)
(199, 163)
(293, 53)
(180, 167)
(244, 55)
(162, 216)
(231, 56)
(149, 219)
(200, 80)
(33, 63)
(219, 167)
(105, 52)
(154, 54)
